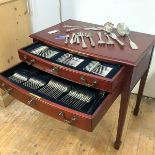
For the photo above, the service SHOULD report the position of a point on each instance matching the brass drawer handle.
(83, 79)
(7, 90)
(55, 69)
(73, 119)
(30, 62)
(31, 101)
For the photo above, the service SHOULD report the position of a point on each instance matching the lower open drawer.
(64, 100)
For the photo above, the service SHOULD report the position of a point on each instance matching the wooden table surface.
(112, 53)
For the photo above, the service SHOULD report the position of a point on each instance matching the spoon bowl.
(123, 30)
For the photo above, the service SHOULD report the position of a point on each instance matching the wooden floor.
(24, 131)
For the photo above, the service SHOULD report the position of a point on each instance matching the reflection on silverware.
(77, 99)
(34, 83)
(19, 78)
(70, 60)
(54, 89)
(108, 27)
(100, 42)
(109, 40)
(90, 36)
(113, 36)
(81, 34)
(66, 39)
(123, 30)
(97, 68)
(44, 51)
(72, 38)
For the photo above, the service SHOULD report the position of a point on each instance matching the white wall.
(139, 15)
(44, 13)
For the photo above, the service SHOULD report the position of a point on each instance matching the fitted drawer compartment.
(86, 71)
(69, 102)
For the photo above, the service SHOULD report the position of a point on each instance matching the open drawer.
(76, 68)
(72, 103)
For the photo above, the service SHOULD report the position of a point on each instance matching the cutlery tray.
(73, 67)
(75, 104)
(32, 75)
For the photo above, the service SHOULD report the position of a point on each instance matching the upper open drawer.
(64, 100)
(76, 68)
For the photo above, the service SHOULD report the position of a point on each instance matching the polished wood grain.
(107, 53)
(26, 131)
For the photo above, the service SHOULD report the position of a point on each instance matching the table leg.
(125, 96)
(140, 93)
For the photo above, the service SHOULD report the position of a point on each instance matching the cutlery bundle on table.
(54, 89)
(77, 99)
(44, 51)
(107, 30)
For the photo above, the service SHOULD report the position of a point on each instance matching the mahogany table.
(135, 64)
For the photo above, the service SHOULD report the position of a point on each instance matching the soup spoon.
(123, 30)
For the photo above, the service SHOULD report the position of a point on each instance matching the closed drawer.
(86, 118)
(78, 74)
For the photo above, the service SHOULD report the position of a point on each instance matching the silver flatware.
(72, 38)
(108, 27)
(100, 42)
(109, 40)
(66, 39)
(81, 34)
(90, 36)
(113, 36)
(19, 78)
(123, 30)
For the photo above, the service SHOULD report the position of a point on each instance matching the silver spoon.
(123, 30)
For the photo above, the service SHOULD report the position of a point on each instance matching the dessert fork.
(90, 36)
(81, 34)
(100, 42)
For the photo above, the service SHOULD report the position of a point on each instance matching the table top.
(123, 55)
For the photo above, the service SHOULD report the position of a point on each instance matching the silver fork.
(109, 40)
(100, 42)
(90, 36)
(81, 34)
(113, 36)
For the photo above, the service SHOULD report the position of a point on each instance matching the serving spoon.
(123, 30)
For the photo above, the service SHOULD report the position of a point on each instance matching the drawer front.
(59, 112)
(80, 77)
(84, 121)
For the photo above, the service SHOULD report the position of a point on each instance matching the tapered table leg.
(125, 96)
(140, 93)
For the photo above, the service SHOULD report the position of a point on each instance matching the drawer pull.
(55, 69)
(83, 79)
(31, 101)
(7, 90)
(73, 119)
(30, 62)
